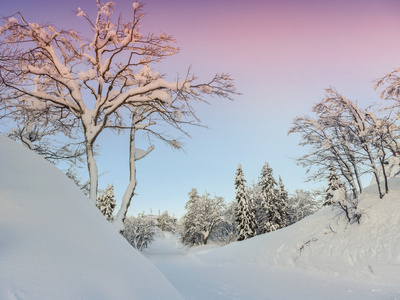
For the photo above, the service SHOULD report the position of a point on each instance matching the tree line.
(259, 208)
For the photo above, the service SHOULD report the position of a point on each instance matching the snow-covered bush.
(203, 216)
(226, 232)
(301, 204)
(139, 232)
(166, 222)
(106, 202)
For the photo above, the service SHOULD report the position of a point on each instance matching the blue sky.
(282, 55)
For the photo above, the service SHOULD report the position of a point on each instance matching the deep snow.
(55, 244)
(320, 257)
(204, 273)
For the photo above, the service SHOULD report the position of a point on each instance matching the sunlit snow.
(54, 244)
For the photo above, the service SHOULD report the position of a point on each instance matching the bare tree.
(324, 140)
(354, 140)
(96, 79)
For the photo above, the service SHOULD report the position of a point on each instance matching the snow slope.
(320, 257)
(54, 244)
(197, 276)
(325, 241)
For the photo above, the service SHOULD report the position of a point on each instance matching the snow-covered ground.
(54, 244)
(237, 271)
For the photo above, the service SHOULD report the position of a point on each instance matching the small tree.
(106, 202)
(166, 223)
(244, 215)
(203, 216)
(190, 235)
(139, 232)
(301, 204)
(334, 183)
(282, 202)
(226, 231)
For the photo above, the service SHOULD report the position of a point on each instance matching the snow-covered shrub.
(166, 223)
(106, 202)
(203, 215)
(301, 204)
(139, 232)
(226, 232)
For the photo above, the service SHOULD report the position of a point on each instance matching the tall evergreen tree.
(106, 202)
(252, 206)
(268, 197)
(244, 216)
(189, 234)
(282, 203)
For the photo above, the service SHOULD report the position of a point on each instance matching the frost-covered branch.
(98, 78)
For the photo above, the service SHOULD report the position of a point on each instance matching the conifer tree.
(268, 196)
(106, 202)
(244, 216)
(252, 206)
(334, 184)
(282, 201)
(190, 220)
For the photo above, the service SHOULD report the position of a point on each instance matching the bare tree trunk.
(360, 187)
(130, 189)
(374, 170)
(385, 177)
(93, 171)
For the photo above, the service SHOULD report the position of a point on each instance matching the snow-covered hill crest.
(326, 241)
(54, 244)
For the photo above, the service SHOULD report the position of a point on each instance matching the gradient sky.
(282, 55)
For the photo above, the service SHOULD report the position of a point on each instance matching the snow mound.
(54, 244)
(326, 242)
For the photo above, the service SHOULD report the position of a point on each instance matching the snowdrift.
(54, 244)
(326, 242)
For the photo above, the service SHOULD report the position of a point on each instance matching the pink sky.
(282, 55)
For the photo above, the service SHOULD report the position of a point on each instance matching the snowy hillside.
(54, 244)
(326, 242)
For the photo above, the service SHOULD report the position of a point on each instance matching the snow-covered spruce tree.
(99, 79)
(244, 217)
(254, 195)
(189, 235)
(336, 195)
(282, 203)
(334, 183)
(203, 216)
(106, 202)
(268, 194)
(139, 232)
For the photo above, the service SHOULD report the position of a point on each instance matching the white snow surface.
(326, 242)
(320, 257)
(55, 244)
